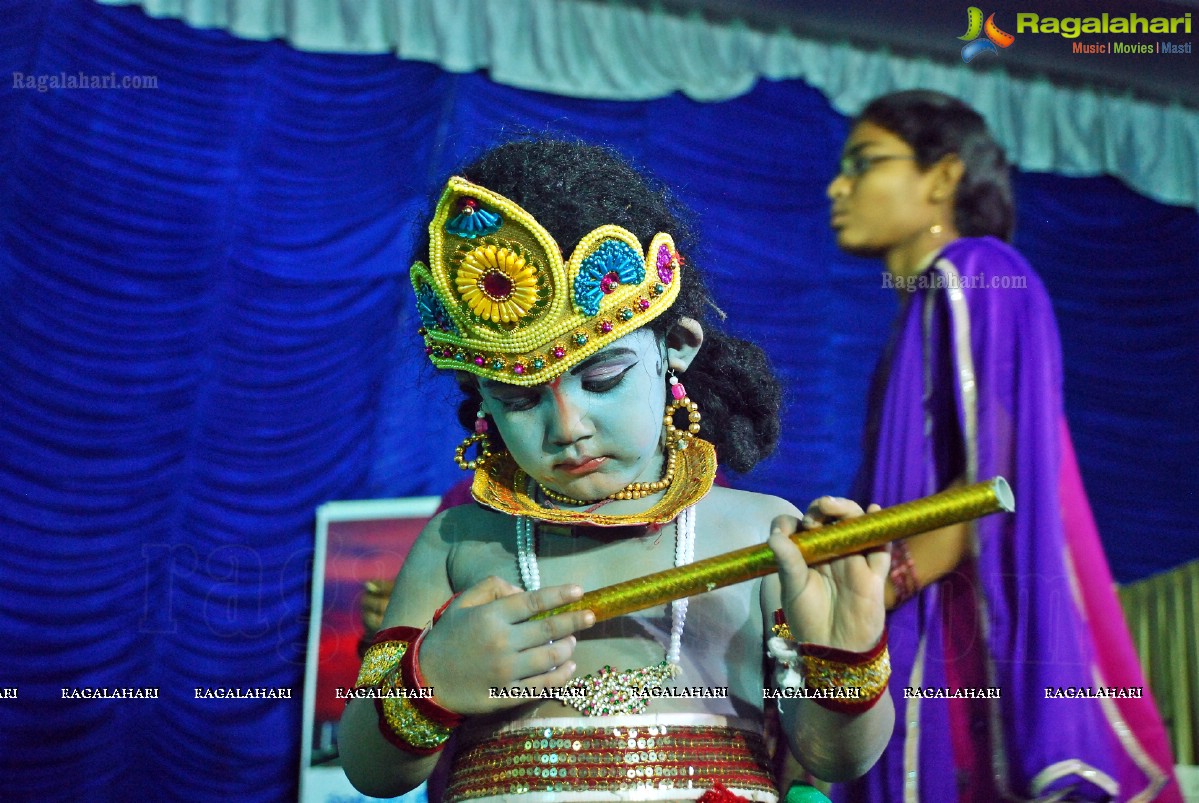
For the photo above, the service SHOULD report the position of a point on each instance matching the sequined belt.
(645, 757)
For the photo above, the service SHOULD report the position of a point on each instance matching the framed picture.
(355, 542)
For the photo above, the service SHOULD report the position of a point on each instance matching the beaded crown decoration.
(498, 300)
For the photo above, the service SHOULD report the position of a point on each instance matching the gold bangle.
(401, 723)
(830, 669)
(385, 651)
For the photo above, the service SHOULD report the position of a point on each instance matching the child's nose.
(568, 421)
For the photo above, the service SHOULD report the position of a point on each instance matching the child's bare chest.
(721, 644)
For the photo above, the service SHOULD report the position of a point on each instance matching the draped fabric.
(619, 51)
(971, 388)
(206, 331)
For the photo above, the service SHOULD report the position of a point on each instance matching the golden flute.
(835, 540)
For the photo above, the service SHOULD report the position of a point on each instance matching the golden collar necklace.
(502, 485)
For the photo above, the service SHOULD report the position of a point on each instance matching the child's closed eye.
(515, 402)
(605, 378)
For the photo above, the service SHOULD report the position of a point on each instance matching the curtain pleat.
(624, 51)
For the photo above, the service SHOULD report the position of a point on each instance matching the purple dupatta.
(971, 388)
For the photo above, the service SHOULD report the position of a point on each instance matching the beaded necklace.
(635, 490)
(608, 691)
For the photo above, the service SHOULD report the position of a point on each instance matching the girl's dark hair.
(935, 124)
(572, 188)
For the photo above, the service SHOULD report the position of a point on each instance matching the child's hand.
(838, 603)
(373, 605)
(484, 639)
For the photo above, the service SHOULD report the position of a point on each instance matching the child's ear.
(683, 342)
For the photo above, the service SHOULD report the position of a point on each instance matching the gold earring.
(936, 229)
(480, 437)
(680, 438)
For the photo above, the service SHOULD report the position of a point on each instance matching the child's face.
(594, 429)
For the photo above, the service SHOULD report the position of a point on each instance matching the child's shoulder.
(463, 522)
(751, 501)
(745, 510)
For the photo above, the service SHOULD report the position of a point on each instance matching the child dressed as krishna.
(553, 285)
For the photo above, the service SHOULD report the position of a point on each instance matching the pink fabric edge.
(1115, 654)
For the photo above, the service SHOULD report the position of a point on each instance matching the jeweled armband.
(424, 703)
(839, 680)
(829, 669)
(384, 654)
(401, 723)
(409, 718)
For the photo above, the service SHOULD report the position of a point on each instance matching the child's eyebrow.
(603, 356)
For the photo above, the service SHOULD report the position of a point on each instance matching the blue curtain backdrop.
(206, 332)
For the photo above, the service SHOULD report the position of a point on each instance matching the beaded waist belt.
(659, 757)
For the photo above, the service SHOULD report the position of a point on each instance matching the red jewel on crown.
(609, 282)
(497, 285)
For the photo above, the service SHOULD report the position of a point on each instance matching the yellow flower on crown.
(498, 300)
(497, 284)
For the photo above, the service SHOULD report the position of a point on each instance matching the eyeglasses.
(856, 164)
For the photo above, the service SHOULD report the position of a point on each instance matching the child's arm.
(483, 639)
(838, 604)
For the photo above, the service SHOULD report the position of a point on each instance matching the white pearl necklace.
(684, 553)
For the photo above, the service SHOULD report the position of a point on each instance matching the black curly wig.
(571, 188)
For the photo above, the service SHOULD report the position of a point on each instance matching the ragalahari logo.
(974, 27)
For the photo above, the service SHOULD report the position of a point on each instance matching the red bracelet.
(853, 682)
(903, 572)
(412, 679)
(382, 652)
(408, 716)
(401, 724)
(437, 614)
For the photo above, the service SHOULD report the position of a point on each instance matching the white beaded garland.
(684, 553)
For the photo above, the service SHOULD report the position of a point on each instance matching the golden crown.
(498, 301)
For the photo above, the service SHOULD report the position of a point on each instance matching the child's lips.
(580, 466)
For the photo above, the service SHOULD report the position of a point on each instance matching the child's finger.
(554, 679)
(787, 525)
(528, 605)
(486, 591)
(814, 516)
(879, 561)
(540, 631)
(837, 507)
(789, 558)
(539, 660)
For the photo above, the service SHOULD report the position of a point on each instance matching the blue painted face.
(594, 429)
